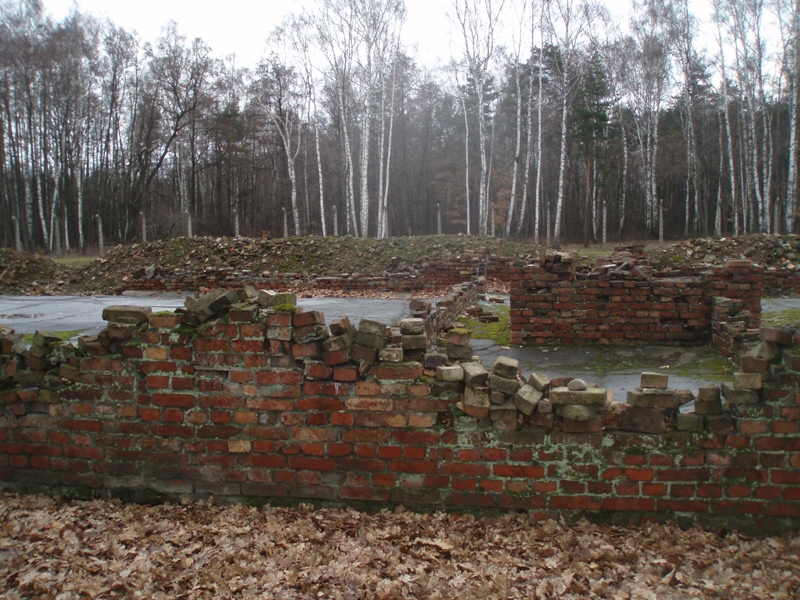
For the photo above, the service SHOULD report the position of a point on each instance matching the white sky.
(241, 26)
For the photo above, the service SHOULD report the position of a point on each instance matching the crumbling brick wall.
(551, 303)
(248, 399)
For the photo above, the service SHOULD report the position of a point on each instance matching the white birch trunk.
(321, 186)
(466, 161)
(562, 164)
(517, 151)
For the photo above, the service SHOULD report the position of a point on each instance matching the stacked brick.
(653, 406)
(551, 303)
(731, 326)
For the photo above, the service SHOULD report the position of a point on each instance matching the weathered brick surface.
(200, 411)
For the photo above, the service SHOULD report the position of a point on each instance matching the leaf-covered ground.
(100, 549)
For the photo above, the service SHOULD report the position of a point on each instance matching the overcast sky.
(241, 26)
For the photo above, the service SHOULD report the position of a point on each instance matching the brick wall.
(243, 406)
(552, 304)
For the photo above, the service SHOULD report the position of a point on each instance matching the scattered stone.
(735, 396)
(133, 315)
(435, 359)
(576, 385)
(503, 384)
(592, 396)
(390, 355)
(539, 381)
(506, 367)
(527, 399)
(747, 381)
(451, 373)
(654, 380)
(642, 420)
(576, 412)
(690, 422)
(412, 327)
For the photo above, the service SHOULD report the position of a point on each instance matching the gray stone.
(339, 342)
(412, 327)
(476, 402)
(131, 315)
(690, 422)
(545, 407)
(372, 327)
(452, 373)
(503, 384)
(370, 340)
(435, 359)
(502, 412)
(506, 367)
(592, 396)
(475, 374)
(391, 355)
(415, 342)
(708, 394)
(654, 380)
(497, 397)
(576, 412)
(539, 381)
(711, 407)
(576, 385)
(747, 381)
(766, 351)
(342, 326)
(734, 396)
(526, 399)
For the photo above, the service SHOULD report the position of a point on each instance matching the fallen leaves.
(50, 548)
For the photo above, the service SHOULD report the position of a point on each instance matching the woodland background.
(552, 122)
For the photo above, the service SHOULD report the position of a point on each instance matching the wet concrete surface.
(26, 314)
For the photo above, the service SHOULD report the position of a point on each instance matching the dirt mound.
(766, 250)
(22, 273)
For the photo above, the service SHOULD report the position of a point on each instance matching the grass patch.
(75, 262)
(64, 335)
(789, 318)
(499, 332)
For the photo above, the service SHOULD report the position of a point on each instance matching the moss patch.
(499, 332)
(64, 335)
(789, 318)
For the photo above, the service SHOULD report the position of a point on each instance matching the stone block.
(435, 359)
(654, 380)
(654, 398)
(503, 384)
(371, 327)
(131, 315)
(545, 407)
(415, 342)
(501, 412)
(590, 397)
(527, 399)
(766, 351)
(412, 327)
(576, 412)
(270, 299)
(370, 340)
(451, 373)
(538, 381)
(790, 359)
(718, 423)
(505, 366)
(458, 336)
(338, 342)
(369, 355)
(708, 394)
(457, 352)
(747, 381)
(751, 364)
(711, 407)
(341, 326)
(280, 333)
(690, 422)
(338, 357)
(642, 420)
(497, 397)
(475, 374)
(390, 355)
(734, 396)
(476, 402)
(542, 420)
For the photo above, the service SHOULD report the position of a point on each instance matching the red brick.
(531, 472)
(629, 504)
(574, 503)
(413, 466)
(345, 374)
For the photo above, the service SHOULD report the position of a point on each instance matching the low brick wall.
(244, 407)
(552, 304)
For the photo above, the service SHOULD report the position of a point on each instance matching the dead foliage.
(102, 549)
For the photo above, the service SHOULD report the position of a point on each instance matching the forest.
(552, 122)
